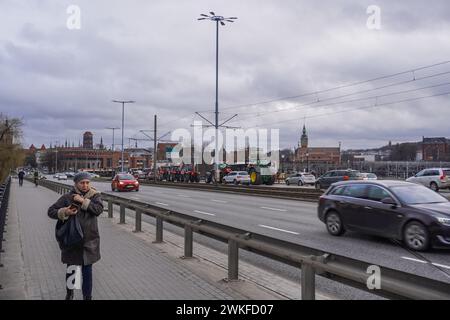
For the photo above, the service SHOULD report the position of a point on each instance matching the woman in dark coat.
(88, 252)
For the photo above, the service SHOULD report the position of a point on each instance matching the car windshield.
(126, 177)
(243, 173)
(417, 195)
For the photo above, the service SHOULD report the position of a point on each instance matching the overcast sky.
(62, 81)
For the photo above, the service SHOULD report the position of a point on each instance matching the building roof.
(435, 140)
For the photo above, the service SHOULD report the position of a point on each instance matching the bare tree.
(11, 153)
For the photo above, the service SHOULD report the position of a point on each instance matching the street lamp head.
(216, 18)
(124, 101)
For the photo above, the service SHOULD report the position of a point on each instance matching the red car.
(124, 182)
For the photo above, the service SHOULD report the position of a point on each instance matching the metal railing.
(4, 198)
(291, 193)
(394, 284)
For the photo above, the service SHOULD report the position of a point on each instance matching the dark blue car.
(398, 210)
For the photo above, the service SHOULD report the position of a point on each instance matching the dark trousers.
(86, 287)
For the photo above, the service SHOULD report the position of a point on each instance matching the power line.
(347, 101)
(412, 71)
(336, 88)
(360, 108)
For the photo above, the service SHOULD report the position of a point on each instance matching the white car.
(237, 177)
(300, 179)
(433, 178)
(369, 176)
(62, 176)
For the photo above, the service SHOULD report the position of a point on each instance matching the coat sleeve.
(54, 211)
(94, 205)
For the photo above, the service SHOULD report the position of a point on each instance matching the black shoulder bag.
(69, 233)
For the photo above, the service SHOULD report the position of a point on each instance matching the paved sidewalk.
(129, 268)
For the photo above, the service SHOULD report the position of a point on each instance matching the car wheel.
(287, 182)
(334, 224)
(112, 189)
(434, 186)
(317, 185)
(300, 183)
(235, 182)
(416, 237)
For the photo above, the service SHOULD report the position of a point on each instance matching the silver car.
(300, 179)
(237, 177)
(433, 178)
(369, 176)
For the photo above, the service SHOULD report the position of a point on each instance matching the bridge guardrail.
(4, 199)
(394, 284)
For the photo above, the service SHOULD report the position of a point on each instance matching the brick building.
(315, 158)
(435, 149)
(90, 157)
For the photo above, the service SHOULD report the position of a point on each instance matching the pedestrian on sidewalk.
(36, 177)
(21, 175)
(90, 204)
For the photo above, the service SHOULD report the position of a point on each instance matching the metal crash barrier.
(4, 198)
(393, 284)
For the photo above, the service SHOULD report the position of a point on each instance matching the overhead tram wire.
(313, 104)
(412, 71)
(358, 108)
(337, 88)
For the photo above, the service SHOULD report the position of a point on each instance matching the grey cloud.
(62, 82)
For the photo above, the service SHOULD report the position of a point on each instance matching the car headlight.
(445, 221)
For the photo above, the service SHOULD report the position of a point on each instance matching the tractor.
(262, 173)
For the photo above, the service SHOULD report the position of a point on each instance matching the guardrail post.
(138, 221)
(188, 241)
(110, 208)
(159, 230)
(308, 282)
(233, 260)
(122, 214)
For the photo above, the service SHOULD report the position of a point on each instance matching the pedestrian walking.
(21, 175)
(84, 204)
(36, 178)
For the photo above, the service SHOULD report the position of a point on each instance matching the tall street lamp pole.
(113, 129)
(123, 121)
(217, 19)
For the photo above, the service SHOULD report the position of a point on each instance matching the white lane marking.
(441, 265)
(207, 213)
(135, 198)
(219, 201)
(182, 195)
(416, 260)
(274, 209)
(161, 203)
(426, 262)
(282, 230)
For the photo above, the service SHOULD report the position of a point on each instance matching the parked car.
(62, 176)
(94, 175)
(399, 210)
(433, 178)
(124, 182)
(237, 177)
(369, 176)
(324, 181)
(300, 179)
(69, 174)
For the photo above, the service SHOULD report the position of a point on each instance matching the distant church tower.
(88, 140)
(304, 138)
